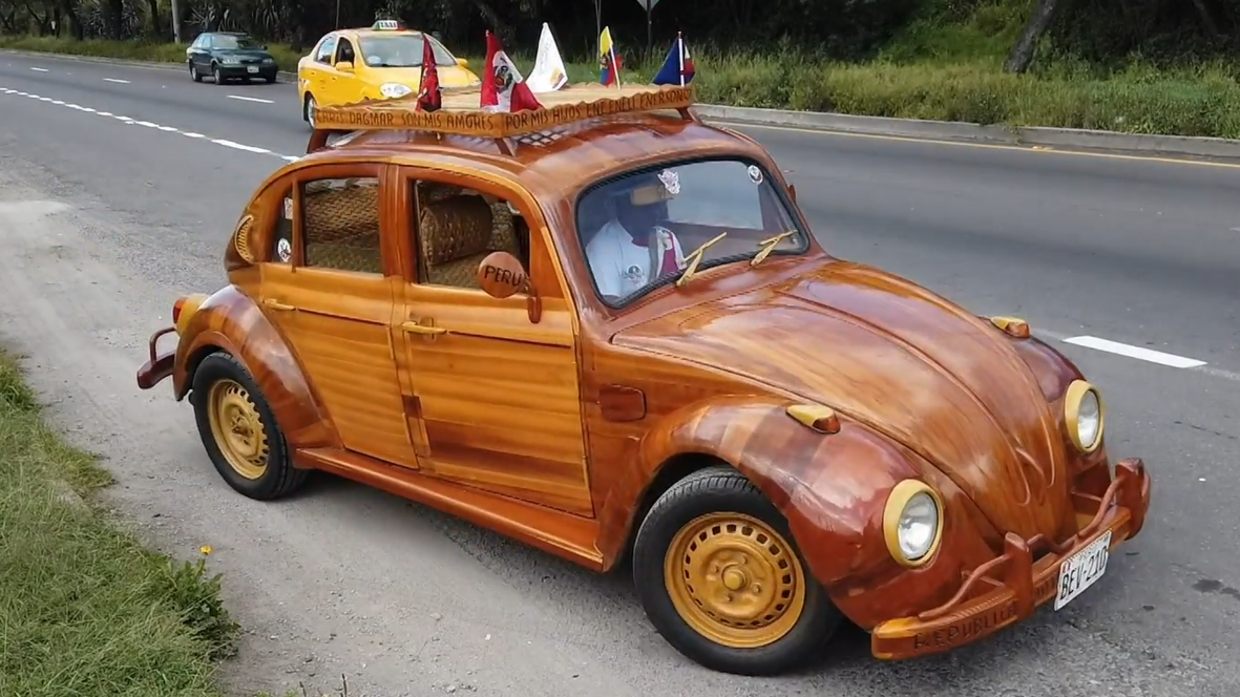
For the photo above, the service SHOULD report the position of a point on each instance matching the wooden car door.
(497, 394)
(333, 294)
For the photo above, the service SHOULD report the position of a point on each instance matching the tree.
(1019, 60)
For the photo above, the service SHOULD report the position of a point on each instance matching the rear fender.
(230, 321)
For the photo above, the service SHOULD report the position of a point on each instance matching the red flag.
(503, 88)
(430, 98)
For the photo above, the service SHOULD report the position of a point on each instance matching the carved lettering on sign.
(496, 125)
(966, 630)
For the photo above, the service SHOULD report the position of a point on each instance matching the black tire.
(270, 79)
(724, 490)
(217, 75)
(306, 108)
(279, 477)
(193, 72)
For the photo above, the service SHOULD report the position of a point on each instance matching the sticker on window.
(284, 249)
(288, 209)
(671, 181)
(755, 174)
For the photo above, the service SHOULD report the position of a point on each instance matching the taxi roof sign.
(388, 25)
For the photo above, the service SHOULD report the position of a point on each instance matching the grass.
(85, 609)
(942, 68)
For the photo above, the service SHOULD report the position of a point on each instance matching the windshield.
(226, 41)
(640, 230)
(401, 51)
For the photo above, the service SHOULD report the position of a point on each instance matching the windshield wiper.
(695, 258)
(768, 246)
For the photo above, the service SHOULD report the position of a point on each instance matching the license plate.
(252, 68)
(1082, 570)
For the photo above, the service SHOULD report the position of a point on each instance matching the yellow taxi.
(382, 62)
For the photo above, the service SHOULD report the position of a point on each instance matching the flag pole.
(680, 54)
(614, 65)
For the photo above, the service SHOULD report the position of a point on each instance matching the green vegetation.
(85, 609)
(1143, 66)
(944, 73)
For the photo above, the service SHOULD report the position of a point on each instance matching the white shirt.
(621, 267)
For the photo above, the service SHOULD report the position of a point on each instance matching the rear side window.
(340, 224)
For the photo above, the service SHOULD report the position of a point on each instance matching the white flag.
(548, 74)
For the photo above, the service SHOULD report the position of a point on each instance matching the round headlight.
(392, 90)
(913, 522)
(1084, 416)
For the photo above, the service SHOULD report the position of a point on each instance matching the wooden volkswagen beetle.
(604, 328)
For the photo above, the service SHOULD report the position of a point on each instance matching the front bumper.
(160, 365)
(1009, 588)
(238, 71)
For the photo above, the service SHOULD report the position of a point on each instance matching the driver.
(633, 246)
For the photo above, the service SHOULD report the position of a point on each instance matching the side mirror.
(462, 62)
(501, 276)
(792, 192)
(345, 66)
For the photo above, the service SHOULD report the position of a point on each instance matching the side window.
(340, 224)
(346, 51)
(458, 227)
(282, 240)
(326, 49)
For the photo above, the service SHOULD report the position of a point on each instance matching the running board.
(565, 535)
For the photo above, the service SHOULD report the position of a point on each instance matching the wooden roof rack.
(461, 115)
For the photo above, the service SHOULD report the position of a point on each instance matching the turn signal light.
(1012, 326)
(184, 308)
(816, 416)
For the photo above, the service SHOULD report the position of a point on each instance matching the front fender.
(831, 488)
(231, 321)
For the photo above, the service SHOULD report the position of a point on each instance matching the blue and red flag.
(678, 67)
(608, 58)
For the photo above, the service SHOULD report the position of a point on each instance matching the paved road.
(119, 185)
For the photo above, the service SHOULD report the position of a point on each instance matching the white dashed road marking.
(154, 126)
(116, 80)
(39, 70)
(1142, 354)
(250, 99)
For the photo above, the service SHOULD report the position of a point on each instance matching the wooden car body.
(557, 419)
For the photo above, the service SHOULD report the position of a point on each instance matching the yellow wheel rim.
(734, 580)
(238, 428)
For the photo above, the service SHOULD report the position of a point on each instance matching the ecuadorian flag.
(608, 58)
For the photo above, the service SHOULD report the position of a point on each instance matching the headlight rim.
(1074, 396)
(897, 501)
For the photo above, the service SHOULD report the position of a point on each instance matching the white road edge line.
(116, 80)
(148, 124)
(250, 99)
(39, 70)
(1142, 354)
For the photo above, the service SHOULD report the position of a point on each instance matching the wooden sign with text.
(396, 115)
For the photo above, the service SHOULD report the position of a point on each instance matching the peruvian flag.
(430, 97)
(503, 88)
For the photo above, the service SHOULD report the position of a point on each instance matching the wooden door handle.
(277, 305)
(415, 328)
